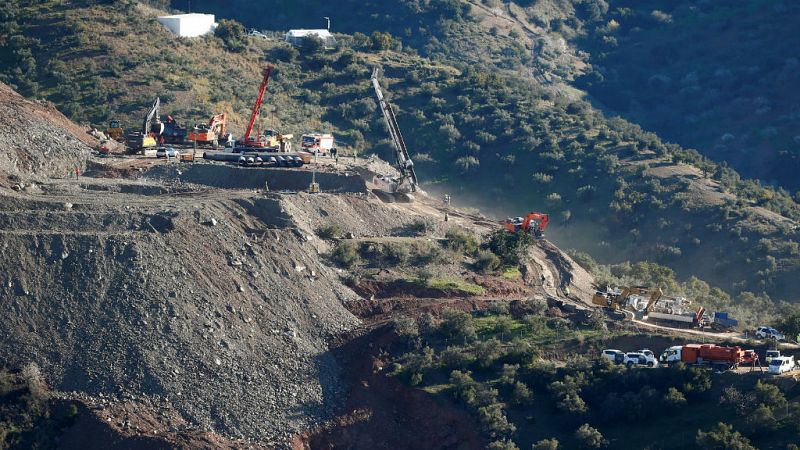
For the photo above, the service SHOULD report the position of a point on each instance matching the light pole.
(328, 19)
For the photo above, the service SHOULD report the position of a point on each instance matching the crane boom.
(257, 105)
(402, 159)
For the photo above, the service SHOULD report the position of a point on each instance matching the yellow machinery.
(616, 300)
(115, 131)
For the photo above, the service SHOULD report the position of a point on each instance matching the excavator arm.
(152, 114)
(402, 160)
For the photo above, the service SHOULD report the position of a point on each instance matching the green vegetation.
(29, 418)
(492, 365)
(627, 194)
(749, 308)
(452, 285)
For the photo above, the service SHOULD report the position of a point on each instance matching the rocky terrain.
(36, 139)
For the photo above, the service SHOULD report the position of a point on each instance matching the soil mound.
(37, 140)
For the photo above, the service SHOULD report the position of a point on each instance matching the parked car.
(772, 354)
(615, 356)
(769, 333)
(781, 364)
(640, 359)
(166, 152)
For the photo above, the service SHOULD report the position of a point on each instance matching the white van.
(781, 364)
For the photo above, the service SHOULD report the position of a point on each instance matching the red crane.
(534, 223)
(256, 141)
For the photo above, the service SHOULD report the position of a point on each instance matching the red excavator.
(212, 133)
(534, 224)
(257, 141)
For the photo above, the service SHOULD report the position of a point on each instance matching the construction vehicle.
(317, 143)
(394, 188)
(211, 133)
(534, 224)
(721, 321)
(257, 141)
(169, 131)
(278, 141)
(618, 299)
(716, 356)
(115, 131)
(145, 138)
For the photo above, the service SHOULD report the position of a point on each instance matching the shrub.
(546, 444)
(422, 226)
(487, 352)
(346, 255)
(521, 394)
(461, 241)
(455, 358)
(494, 421)
(762, 420)
(505, 444)
(589, 437)
(510, 247)
(458, 325)
(486, 261)
(232, 34)
(332, 231)
(312, 45)
(674, 398)
(722, 437)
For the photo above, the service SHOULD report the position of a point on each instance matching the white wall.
(189, 25)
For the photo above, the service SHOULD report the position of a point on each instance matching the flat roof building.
(189, 25)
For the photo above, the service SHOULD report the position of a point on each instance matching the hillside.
(616, 191)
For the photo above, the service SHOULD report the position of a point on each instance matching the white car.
(615, 356)
(781, 364)
(768, 332)
(166, 152)
(640, 359)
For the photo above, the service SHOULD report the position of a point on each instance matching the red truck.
(706, 354)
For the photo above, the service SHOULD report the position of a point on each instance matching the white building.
(189, 25)
(295, 37)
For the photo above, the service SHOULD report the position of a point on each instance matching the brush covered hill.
(615, 191)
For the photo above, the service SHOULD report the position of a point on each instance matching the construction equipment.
(618, 299)
(258, 141)
(534, 224)
(115, 131)
(139, 140)
(169, 131)
(716, 356)
(317, 143)
(277, 141)
(211, 133)
(398, 188)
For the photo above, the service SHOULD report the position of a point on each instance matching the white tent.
(295, 37)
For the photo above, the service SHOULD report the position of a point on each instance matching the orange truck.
(716, 356)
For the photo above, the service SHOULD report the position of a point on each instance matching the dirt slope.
(118, 293)
(37, 140)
